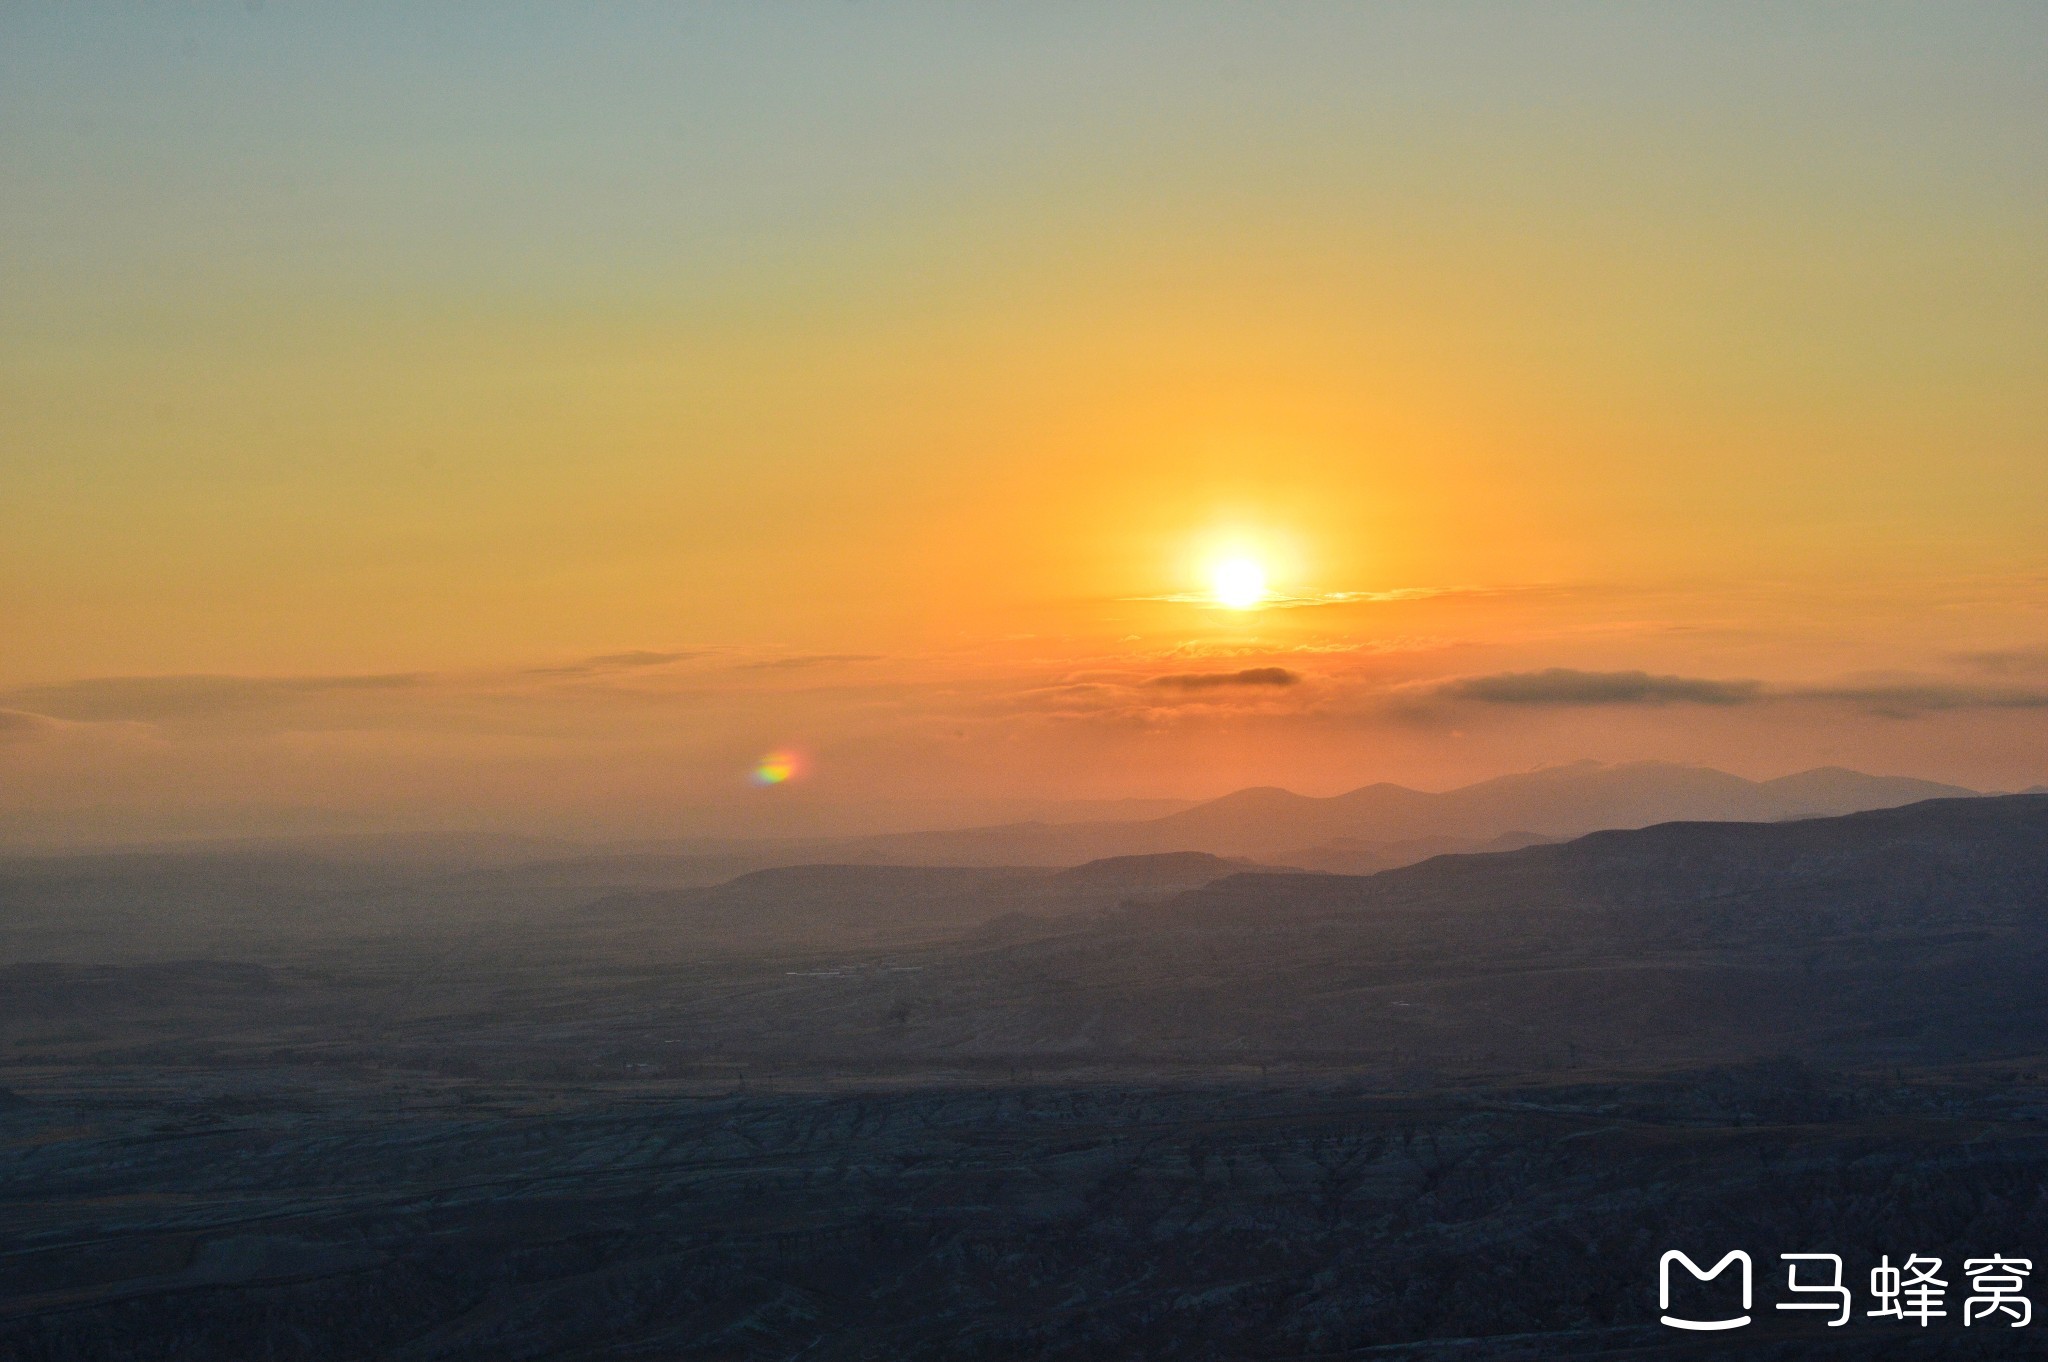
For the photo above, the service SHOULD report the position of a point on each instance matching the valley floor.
(293, 1212)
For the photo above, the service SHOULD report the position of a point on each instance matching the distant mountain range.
(1896, 936)
(1915, 934)
(919, 887)
(250, 897)
(1899, 936)
(1381, 826)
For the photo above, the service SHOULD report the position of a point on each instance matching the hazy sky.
(531, 416)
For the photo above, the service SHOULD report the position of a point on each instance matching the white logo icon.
(1664, 1288)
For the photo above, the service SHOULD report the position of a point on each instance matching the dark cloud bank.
(1251, 676)
(1565, 687)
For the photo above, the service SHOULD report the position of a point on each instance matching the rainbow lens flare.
(775, 768)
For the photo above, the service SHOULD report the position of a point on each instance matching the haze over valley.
(931, 1110)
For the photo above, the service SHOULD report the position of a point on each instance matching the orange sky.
(407, 421)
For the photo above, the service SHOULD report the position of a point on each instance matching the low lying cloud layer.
(619, 685)
(626, 739)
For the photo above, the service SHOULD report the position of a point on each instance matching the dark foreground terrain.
(1147, 1109)
(266, 1213)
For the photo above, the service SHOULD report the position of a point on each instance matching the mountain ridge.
(1272, 824)
(1916, 934)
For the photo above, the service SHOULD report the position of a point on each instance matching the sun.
(1238, 584)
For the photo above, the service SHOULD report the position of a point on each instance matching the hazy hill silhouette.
(1915, 933)
(1365, 824)
(258, 898)
(841, 906)
(1940, 863)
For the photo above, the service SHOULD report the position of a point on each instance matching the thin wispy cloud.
(636, 660)
(802, 660)
(152, 699)
(2007, 661)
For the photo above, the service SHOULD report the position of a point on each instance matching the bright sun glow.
(1239, 583)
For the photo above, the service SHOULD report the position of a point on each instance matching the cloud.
(1251, 676)
(1907, 699)
(636, 660)
(806, 660)
(158, 698)
(1563, 686)
(2007, 661)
